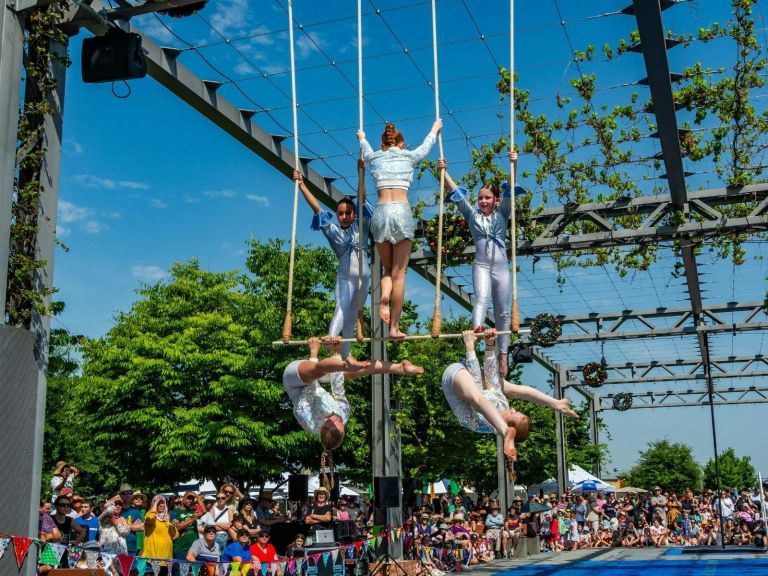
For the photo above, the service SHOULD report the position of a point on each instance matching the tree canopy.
(735, 472)
(666, 464)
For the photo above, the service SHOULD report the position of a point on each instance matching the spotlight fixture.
(118, 55)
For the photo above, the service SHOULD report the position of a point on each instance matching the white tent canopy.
(208, 487)
(576, 474)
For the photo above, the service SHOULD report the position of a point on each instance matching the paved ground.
(630, 562)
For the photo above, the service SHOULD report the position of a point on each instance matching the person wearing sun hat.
(320, 515)
(64, 475)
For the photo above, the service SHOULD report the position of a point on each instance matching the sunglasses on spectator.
(64, 504)
(263, 535)
(221, 497)
(189, 497)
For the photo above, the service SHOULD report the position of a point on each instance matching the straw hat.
(59, 467)
(323, 489)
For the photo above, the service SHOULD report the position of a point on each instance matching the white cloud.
(308, 43)
(94, 227)
(153, 28)
(273, 69)
(245, 69)
(260, 200)
(157, 203)
(62, 231)
(113, 215)
(149, 273)
(225, 193)
(92, 181)
(70, 212)
(230, 16)
(72, 147)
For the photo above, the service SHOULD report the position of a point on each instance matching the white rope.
(360, 238)
(436, 319)
(410, 337)
(513, 223)
(291, 261)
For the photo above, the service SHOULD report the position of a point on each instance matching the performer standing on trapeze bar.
(319, 412)
(481, 404)
(487, 223)
(344, 240)
(392, 223)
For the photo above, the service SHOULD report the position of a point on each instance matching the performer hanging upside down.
(482, 404)
(488, 223)
(319, 412)
(344, 240)
(392, 223)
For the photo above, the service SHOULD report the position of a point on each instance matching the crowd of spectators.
(232, 526)
(590, 520)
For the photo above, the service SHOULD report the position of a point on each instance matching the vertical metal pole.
(385, 452)
(594, 430)
(710, 394)
(11, 56)
(558, 378)
(506, 488)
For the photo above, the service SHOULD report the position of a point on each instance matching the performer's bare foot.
(354, 363)
(503, 365)
(395, 334)
(564, 407)
(510, 452)
(384, 312)
(410, 368)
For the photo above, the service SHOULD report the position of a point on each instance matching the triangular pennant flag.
(244, 568)
(264, 569)
(235, 568)
(74, 555)
(334, 554)
(126, 562)
(108, 558)
(210, 568)
(300, 563)
(20, 548)
(378, 541)
(223, 568)
(48, 556)
(273, 568)
(91, 558)
(291, 566)
(169, 566)
(183, 568)
(156, 565)
(282, 566)
(141, 565)
(59, 550)
(358, 544)
(326, 556)
(4, 545)
(195, 569)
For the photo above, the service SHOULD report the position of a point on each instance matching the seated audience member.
(296, 547)
(205, 549)
(263, 550)
(659, 533)
(238, 551)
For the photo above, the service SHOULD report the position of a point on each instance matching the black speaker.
(336, 490)
(298, 487)
(117, 55)
(386, 491)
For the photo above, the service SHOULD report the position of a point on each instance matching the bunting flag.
(20, 548)
(359, 545)
(264, 569)
(273, 568)
(141, 566)
(195, 569)
(334, 554)
(235, 568)
(300, 563)
(4, 545)
(223, 568)
(183, 568)
(48, 556)
(74, 554)
(244, 568)
(378, 541)
(108, 558)
(156, 565)
(282, 566)
(126, 562)
(351, 551)
(91, 558)
(326, 555)
(291, 566)
(210, 568)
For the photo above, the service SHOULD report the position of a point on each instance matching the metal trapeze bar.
(455, 336)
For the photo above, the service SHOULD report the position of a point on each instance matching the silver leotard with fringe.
(392, 222)
(312, 404)
(467, 414)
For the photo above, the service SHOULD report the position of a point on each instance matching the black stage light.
(522, 354)
(117, 55)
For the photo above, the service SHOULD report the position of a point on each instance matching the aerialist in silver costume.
(392, 223)
(488, 223)
(482, 404)
(322, 413)
(344, 240)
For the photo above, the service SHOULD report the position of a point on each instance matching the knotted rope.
(436, 318)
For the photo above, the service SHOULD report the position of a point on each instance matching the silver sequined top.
(313, 405)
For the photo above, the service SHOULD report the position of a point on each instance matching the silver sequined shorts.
(392, 222)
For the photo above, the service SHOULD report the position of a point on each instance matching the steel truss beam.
(683, 398)
(658, 371)
(658, 212)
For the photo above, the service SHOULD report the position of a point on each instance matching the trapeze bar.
(409, 337)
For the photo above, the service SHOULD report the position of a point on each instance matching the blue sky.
(147, 181)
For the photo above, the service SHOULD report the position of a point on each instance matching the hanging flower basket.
(594, 374)
(545, 329)
(456, 238)
(622, 401)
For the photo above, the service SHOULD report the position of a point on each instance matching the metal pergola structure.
(703, 220)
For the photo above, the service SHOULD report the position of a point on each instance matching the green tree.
(666, 464)
(187, 384)
(735, 472)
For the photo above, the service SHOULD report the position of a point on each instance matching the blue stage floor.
(679, 566)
